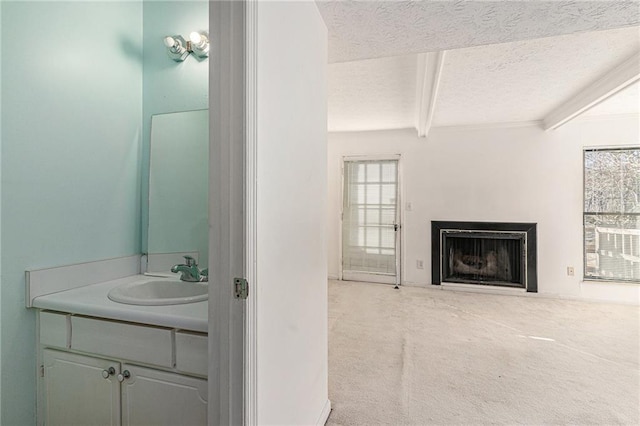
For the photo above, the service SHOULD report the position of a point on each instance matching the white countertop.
(92, 300)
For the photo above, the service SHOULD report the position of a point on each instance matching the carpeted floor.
(419, 356)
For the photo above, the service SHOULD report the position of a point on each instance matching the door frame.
(250, 336)
(399, 212)
(232, 345)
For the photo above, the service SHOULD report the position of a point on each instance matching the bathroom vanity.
(104, 362)
(107, 352)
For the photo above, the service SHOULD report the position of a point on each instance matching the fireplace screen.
(490, 258)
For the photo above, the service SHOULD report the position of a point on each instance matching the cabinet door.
(153, 397)
(80, 390)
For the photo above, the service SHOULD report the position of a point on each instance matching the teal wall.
(170, 86)
(70, 158)
(77, 95)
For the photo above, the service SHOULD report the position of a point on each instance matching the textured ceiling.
(373, 94)
(375, 29)
(511, 82)
(526, 80)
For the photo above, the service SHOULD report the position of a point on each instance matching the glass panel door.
(369, 221)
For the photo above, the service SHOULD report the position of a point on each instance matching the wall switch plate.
(570, 271)
(420, 264)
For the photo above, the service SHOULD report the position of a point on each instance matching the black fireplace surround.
(484, 253)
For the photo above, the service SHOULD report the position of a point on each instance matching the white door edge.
(227, 198)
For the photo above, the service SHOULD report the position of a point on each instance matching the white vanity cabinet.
(75, 391)
(102, 372)
(154, 397)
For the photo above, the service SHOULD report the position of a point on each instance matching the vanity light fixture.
(178, 49)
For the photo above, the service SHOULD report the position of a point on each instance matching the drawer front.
(192, 353)
(150, 345)
(54, 329)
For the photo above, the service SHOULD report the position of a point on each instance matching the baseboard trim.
(414, 284)
(324, 416)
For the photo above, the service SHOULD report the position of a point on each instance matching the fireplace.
(484, 253)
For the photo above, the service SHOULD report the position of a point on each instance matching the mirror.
(178, 189)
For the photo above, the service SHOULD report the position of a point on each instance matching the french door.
(370, 220)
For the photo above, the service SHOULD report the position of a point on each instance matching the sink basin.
(160, 292)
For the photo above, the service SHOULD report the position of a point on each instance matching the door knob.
(109, 372)
(124, 375)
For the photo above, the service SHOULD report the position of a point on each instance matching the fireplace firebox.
(484, 253)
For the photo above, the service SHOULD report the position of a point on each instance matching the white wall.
(508, 174)
(291, 213)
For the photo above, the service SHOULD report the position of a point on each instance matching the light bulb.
(195, 37)
(199, 44)
(175, 47)
(169, 41)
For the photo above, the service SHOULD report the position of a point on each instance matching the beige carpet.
(419, 356)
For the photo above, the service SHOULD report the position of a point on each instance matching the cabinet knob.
(124, 375)
(107, 373)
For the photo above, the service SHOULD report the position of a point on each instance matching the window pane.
(373, 217)
(373, 237)
(389, 172)
(612, 246)
(357, 194)
(373, 194)
(612, 181)
(388, 238)
(357, 172)
(389, 194)
(373, 172)
(356, 236)
(357, 216)
(388, 216)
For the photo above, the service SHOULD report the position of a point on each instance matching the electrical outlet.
(420, 264)
(570, 271)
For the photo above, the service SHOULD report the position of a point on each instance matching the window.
(612, 214)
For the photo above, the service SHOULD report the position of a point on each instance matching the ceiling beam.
(429, 73)
(607, 85)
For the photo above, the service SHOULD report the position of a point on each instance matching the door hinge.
(42, 371)
(241, 288)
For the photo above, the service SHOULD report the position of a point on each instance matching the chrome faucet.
(189, 271)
